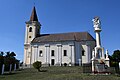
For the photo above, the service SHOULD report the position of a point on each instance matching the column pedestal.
(107, 61)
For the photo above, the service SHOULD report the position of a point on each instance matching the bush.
(37, 65)
(65, 64)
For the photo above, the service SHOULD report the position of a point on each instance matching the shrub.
(37, 65)
(65, 64)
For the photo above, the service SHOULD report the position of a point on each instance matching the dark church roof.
(73, 36)
(34, 15)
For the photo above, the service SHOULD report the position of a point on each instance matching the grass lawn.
(55, 73)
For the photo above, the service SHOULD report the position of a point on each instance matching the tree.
(12, 54)
(115, 58)
(1, 57)
(1, 53)
(10, 61)
(116, 55)
(37, 65)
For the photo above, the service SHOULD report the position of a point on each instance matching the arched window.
(40, 53)
(83, 53)
(30, 29)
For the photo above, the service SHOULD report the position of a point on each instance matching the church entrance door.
(52, 61)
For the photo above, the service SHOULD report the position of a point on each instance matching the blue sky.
(58, 16)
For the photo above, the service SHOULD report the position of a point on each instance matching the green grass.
(55, 73)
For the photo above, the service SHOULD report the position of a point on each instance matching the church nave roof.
(72, 36)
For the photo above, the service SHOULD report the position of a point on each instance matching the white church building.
(74, 48)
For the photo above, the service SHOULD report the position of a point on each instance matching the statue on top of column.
(96, 22)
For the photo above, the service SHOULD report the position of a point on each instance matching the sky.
(58, 16)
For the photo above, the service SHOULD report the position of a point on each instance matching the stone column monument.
(98, 59)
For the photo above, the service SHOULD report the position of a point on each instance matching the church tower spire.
(32, 27)
(34, 15)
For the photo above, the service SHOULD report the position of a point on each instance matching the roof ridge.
(64, 33)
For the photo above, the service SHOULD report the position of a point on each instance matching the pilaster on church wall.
(77, 52)
(59, 53)
(88, 53)
(73, 53)
(47, 53)
(85, 53)
(24, 56)
(32, 56)
(34, 53)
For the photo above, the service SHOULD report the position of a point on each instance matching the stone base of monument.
(100, 68)
(107, 61)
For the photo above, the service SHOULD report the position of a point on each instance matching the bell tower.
(32, 30)
(32, 27)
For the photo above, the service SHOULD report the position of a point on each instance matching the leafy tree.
(37, 65)
(1, 53)
(8, 59)
(116, 55)
(115, 58)
(1, 57)
(12, 54)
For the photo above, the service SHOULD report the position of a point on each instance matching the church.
(71, 48)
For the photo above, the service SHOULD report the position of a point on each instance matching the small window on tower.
(83, 53)
(40, 53)
(29, 36)
(30, 29)
(65, 53)
(52, 53)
